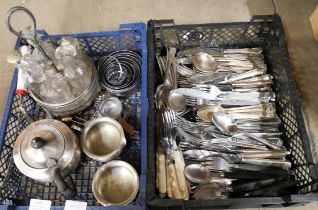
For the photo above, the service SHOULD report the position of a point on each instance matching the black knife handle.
(255, 185)
(242, 174)
(272, 189)
(267, 169)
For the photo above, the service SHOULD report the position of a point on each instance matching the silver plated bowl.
(103, 139)
(115, 183)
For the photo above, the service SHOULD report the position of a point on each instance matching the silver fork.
(220, 164)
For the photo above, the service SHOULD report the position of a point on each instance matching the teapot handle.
(67, 190)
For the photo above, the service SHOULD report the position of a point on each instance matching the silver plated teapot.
(48, 151)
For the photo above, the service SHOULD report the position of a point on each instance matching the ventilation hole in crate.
(298, 157)
(302, 174)
(102, 44)
(252, 32)
(197, 36)
(309, 188)
(157, 39)
(170, 38)
(83, 45)
(129, 41)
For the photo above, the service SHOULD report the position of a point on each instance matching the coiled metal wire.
(120, 72)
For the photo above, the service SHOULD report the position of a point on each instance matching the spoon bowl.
(197, 173)
(176, 102)
(225, 123)
(204, 62)
(200, 174)
(209, 192)
(206, 112)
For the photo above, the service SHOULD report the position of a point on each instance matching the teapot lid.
(41, 144)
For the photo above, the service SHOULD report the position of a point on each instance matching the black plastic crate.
(267, 33)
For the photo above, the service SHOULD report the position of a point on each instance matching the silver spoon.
(205, 62)
(206, 112)
(210, 191)
(176, 102)
(199, 174)
(227, 125)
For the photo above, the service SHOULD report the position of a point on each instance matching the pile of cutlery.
(218, 126)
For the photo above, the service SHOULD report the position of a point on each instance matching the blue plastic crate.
(16, 190)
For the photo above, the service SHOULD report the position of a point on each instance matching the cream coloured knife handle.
(157, 171)
(176, 193)
(161, 173)
(168, 179)
(179, 167)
